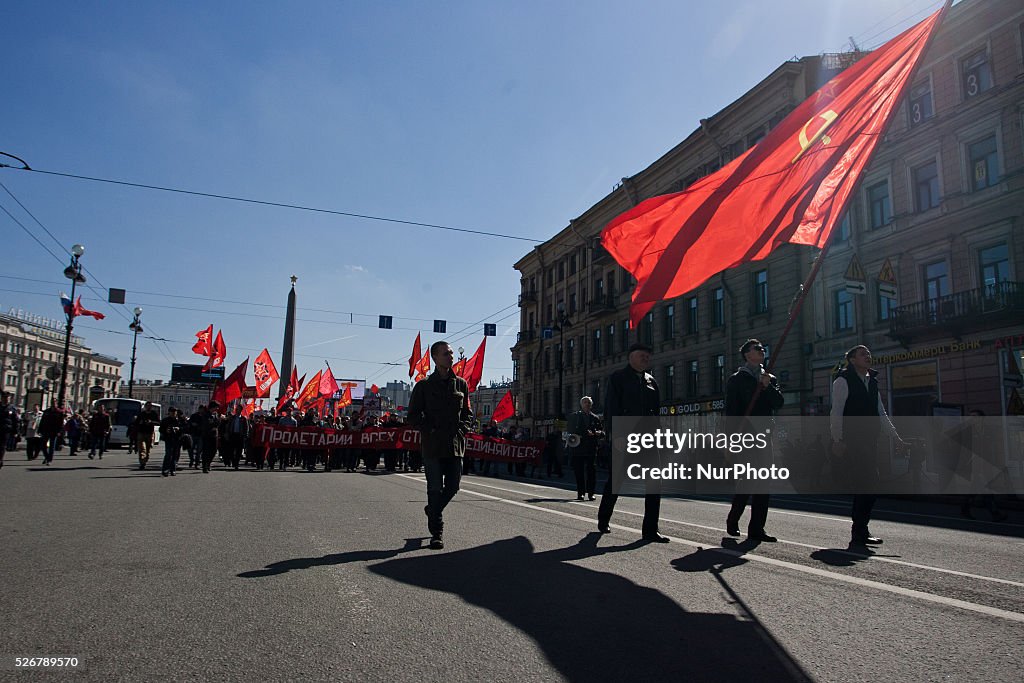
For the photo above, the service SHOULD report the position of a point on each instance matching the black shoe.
(603, 528)
(436, 543)
(592, 498)
(732, 528)
(172, 474)
(206, 470)
(655, 538)
(579, 497)
(762, 537)
(866, 540)
(163, 474)
(90, 456)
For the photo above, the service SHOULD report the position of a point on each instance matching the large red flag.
(203, 339)
(793, 187)
(505, 409)
(78, 309)
(459, 368)
(217, 354)
(346, 397)
(328, 385)
(310, 392)
(265, 373)
(422, 367)
(475, 367)
(414, 359)
(231, 388)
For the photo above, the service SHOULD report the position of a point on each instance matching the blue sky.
(504, 117)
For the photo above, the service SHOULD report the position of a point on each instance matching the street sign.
(440, 326)
(53, 372)
(888, 273)
(490, 330)
(856, 287)
(384, 322)
(887, 290)
(856, 282)
(547, 333)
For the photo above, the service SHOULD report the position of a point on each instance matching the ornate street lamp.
(136, 327)
(74, 273)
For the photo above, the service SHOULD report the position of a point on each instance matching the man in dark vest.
(857, 419)
(632, 391)
(739, 392)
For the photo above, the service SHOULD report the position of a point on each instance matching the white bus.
(122, 411)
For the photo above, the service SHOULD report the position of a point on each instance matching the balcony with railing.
(527, 298)
(601, 305)
(525, 336)
(959, 314)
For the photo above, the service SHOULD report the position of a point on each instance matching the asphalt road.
(242, 576)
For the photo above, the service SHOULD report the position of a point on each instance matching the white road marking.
(813, 571)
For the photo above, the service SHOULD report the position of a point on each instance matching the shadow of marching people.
(595, 625)
(285, 566)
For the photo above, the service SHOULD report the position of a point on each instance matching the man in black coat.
(234, 438)
(740, 404)
(632, 391)
(589, 428)
(209, 425)
(8, 423)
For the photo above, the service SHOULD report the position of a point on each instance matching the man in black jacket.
(8, 423)
(439, 408)
(740, 404)
(855, 397)
(588, 428)
(632, 391)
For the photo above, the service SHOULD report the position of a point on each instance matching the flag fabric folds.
(422, 367)
(65, 302)
(345, 400)
(310, 392)
(293, 388)
(232, 387)
(265, 373)
(474, 371)
(218, 352)
(203, 344)
(79, 309)
(414, 359)
(505, 409)
(792, 187)
(328, 385)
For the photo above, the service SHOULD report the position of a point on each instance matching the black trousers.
(585, 467)
(209, 450)
(233, 456)
(758, 511)
(861, 514)
(652, 509)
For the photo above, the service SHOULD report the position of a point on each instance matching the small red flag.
(374, 389)
(328, 385)
(293, 388)
(231, 388)
(80, 310)
(249, 408)
(217, 353)
(459, 368)
(346, 397)
(792, 187)
(414, 359)
(203, 339)
(265, 373)
(422, 367)
(505, 409)
(310, 392)
(475, 367)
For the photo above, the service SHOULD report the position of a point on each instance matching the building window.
(926, 186)
(994, 265)
(609, 340)
(761, 291)
(717, 307)
(718, 380)
(572, 303)
(879, 204)
(983, 165)
(691, 315)
(572, 264)
(936, 280)
(547, 360)
(886, 304)
(570, 351)
(921, 106)
(648, 329)
(843, 229)
(545, 402)
(977, 74)
(599, 291)
(670, 321)
(597, 344)
(596, 393)
(693, 378)
(842, 302)
(624, 336)
(611, 284)
(561, 270)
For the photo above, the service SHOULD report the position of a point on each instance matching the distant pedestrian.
(439, 408)
(51, 426)
(8, 423)
(145, 430)
(99, 432)
(588, 429)
(171, 428)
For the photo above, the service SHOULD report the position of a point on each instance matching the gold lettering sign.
(829, 116)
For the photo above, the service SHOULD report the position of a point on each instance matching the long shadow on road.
(595, 625)
(331, 559)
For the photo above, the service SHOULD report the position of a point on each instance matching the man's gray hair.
(586, 399)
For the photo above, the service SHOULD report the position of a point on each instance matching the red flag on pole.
(346, 397)
(792, 187)
(292, 390)
(81, 310)
(459, 368)
(231, 388)
(265, 373)
(310, 392)
(328, 385)
(249, 408)
(217, 353)
(475, 367)
(203, 339)
(505, 409)
(414, 359)
(374, 389)
(422, 367)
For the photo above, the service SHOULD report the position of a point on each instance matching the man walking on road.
(632, 391)
(439, 408)
(145, 430)
(8, 423)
